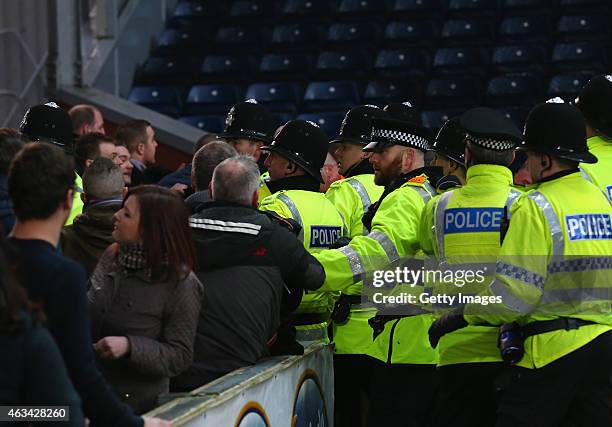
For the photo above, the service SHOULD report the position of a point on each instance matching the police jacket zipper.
(390, 352)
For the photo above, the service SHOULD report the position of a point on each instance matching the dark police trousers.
(351, 389)
(573, 391)
(466, 397)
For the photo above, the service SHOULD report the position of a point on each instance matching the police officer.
(49, 123)
(553, 278)
(403, 111)
(352, 197)
(402, 375)
(463, 226)
(449, 148)
(595, 102)
(296, 157)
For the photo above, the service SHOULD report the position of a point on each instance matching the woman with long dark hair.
(32, 370)
(144, 298)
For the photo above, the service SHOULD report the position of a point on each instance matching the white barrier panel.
(284, 391)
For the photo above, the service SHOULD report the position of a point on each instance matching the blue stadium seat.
(452, 92)
(196, 9)
(522, 7)
(513, 90)
(330, 95)
(163, 99)
(250, 11)
(329, 122)
(418, 32)
(578, 56)
(469, 30)
(472, 7)
(226, 67)
(173, 40)
(277, 97)
(525, 28)
(418, 8)
(213, 124)
(508, 59)
(295, 37)
(294, 66)
(382, 92)
(282, 118)
(211, 98)
(349, 34)
(583, 27)
(238, 37)
(434, 119)
(331, 65)
(567, 86)
(172, 70)
(584, 5)
(402, 62)
(365, 10)
(460, 60)
(517, 114)
(307, 10)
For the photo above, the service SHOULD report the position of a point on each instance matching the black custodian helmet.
(249, 120)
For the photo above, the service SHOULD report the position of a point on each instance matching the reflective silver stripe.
(585, 175)
(553, 222)
(512, 197)
(580, 264)
(519, 273)
(294, 212)
(386, 243)
(355, 263)
(318, 334)
(362, 192)
(439, 224)
(423, 193)
(577, 295)
(498, 288)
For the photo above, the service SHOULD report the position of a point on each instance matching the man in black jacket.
(246, 262)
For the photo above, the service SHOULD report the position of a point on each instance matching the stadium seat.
(251, 11)
(351, 34)
(297, 37)
(332, 65)
(213, 124)
(402, 62)
(196, 10)
(307, 10)
(173, 40)
(329, 122)
(523, 7)
(578, 56)
(567, 86)
(211, 99)
(173, 70)
(330, 95)
(418, 8)
(434, 119)
(163, 99)
(462, 8)
(382, 92)
(226, 68)
(513, 90)
(452, 92)
(470, 30)
(285, 66)
(417, 33)
(525, 28)
(460, 60)
(238, 38)
(277, 97)
(583, 27)
(361, 10)
(584, 5)
(509, 59)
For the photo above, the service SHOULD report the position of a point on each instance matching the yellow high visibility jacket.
(600, 173)
(77, 202)
(462, 228)
(554, 262)
(264, 191)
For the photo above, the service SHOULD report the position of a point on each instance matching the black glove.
(444, 325)
(340, 243)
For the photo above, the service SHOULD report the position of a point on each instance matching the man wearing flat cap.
(553, 285)
(464, 225)
(595, 102)
(296, 157)
(401, 349)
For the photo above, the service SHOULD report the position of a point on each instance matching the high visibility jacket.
(77, 202)
(264, 191)
(555, 261)
(462, 228)
(321, 225)
(352, 197)
(394, 235)
(600, 173)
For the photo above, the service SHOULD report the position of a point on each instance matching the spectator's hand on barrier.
(156, 422)
(444, 325)
(112, 347)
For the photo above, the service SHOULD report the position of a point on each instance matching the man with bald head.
(86, 119)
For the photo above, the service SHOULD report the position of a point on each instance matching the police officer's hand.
(444, 325)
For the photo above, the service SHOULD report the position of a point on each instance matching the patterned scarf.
(132, 257)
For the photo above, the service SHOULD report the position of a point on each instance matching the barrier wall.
(283, 391)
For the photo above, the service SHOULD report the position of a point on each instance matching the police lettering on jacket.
(472, 220)
(324, 236)
(589, 226)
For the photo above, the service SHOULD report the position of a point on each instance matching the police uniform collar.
(429, 171)
(489, 173)
(302, 182)
(559, 174)
(360, 168)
